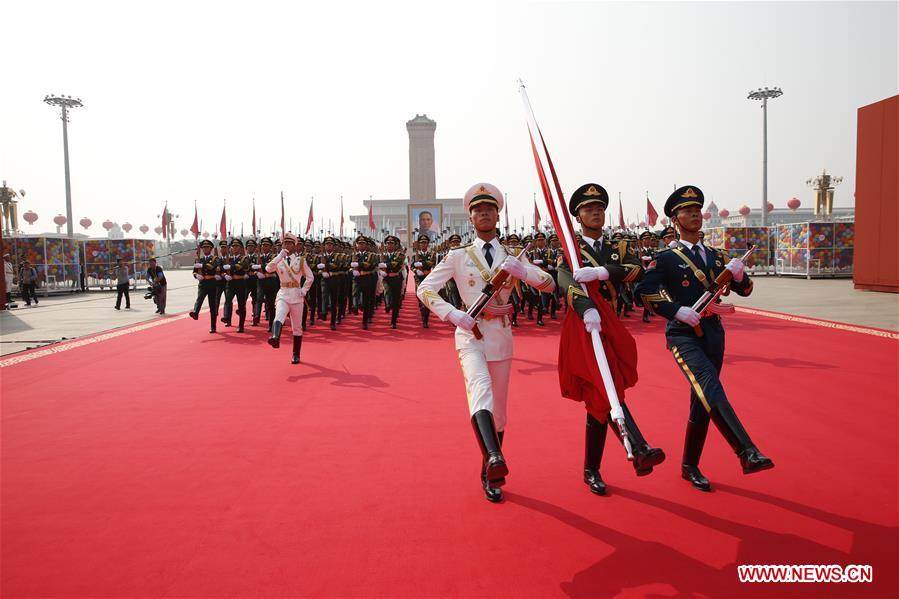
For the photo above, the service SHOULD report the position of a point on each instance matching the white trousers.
(282, 308)
(486, 384)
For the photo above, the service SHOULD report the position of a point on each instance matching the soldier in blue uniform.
(672, 283)
(602, 262)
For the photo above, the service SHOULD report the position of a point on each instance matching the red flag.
(253, 234)
(165, 221)
(223, 227)
(282, 213)
(620, 214)
(195, 228)
(309, 221)
(507, 212)
(651, 214)
(341, 216)
(536, 214)
(371, 218)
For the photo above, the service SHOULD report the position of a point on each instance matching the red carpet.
(168, 462)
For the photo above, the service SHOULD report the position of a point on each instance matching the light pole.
(764, 94)
(66, 103)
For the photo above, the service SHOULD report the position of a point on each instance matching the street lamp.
(764, 94)
(65, 103)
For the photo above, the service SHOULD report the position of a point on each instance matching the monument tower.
(422, 185)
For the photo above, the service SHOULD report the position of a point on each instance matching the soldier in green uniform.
(647, 254)
(328, 267)
(223, 254)
(364, 264)
(268, 283)
(669, 237)
(452, 291)
(207, 271)
(603, 262)
(674, 282)
(235, 270)
(423, 261)
(392, 262)
(252, 280)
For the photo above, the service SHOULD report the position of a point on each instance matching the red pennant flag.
(282, 214)
(651, 214)
(253, 234)
(309, 221)
(620, 214)
(165, 221)
(195, 228)
(223, 227)
(536, 215)
(371, 218)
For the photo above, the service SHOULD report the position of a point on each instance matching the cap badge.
(592, 191)
(689, 193)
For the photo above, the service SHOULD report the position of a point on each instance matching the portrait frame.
(414, 214)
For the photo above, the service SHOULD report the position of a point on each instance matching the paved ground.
(68, 316)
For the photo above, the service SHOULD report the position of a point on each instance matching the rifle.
(707, 302)
(490, 290)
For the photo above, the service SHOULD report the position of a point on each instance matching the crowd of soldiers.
(360, 277)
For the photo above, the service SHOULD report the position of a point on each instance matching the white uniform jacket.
(291, 269)
(468, 267)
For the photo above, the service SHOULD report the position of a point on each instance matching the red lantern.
(144, 229)
(706, 215)
(205, 234)
(30, 217)
(770, 206)
(665, 220)
(793, 204)
(85, 222)
(744, 211)
(108, 224)
(724, 213)
(184, 232)
(642, 223)
(126, 227)
(60, 220)
(158, 230)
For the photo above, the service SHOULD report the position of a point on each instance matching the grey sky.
(198, 102)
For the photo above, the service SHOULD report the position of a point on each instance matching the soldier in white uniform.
(486, 362)
(292, 269)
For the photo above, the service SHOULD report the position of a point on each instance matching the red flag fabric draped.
(165, 221)
(579, 377)
(536, 216)
(223, 226)
(371, 218)
(651, 215)
(310, 219)
(195, 228)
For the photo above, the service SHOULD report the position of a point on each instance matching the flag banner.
(310, 220)
(651, 215)
(371, 218)
(282, 214)
(195, 228)
(223, 228)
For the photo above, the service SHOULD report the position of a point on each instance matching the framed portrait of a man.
(424, 218)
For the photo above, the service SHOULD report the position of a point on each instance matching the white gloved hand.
(257, 267)
(321, 265)
(591, 273)
(326, 275)
(646, 258)
(672, 243)
(227, 267)
(419, 272)
(198, 276)
(538, 262)
(260, 275)
(354, 264)
(356, 273)
(417, 265)
(592, 320)
(303, 292)
(382, 274)
(382, 265)
(514, 267)
(198, 265)
(218, 277)
(461, 319)
(736, 266)
(228, 277)
(283, 253)
(687, 316)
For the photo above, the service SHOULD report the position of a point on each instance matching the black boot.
(297, 342)
(645, 315)
(212, 315)
(693, 444)
(594, 444)
(495, 469)
(540, 315)
(645, 457)
(275, 339)
(751, 459)
(241, 320)
(493, 493)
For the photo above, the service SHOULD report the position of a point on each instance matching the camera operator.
(157, 289)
